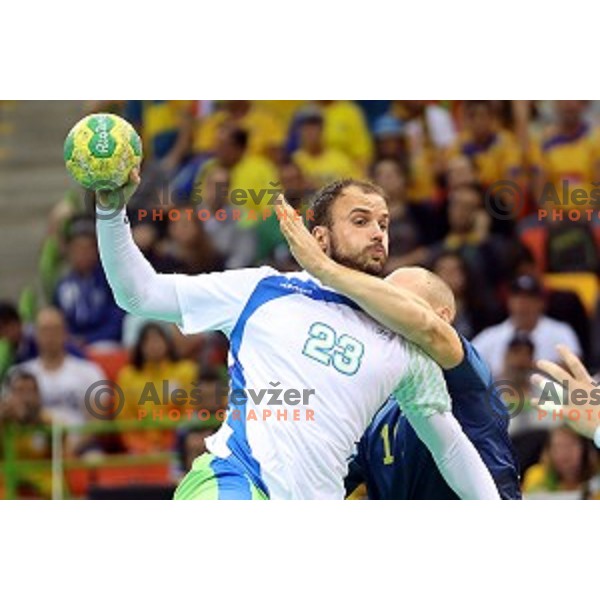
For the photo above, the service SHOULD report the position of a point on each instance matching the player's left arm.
(398, 309)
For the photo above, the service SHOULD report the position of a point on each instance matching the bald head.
(429, 287)
(51, 331)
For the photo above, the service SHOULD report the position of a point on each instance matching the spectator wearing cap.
(526, 305)
(83, 294)
(388, 134)
(319, 163)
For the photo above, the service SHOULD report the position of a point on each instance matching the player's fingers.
(574, 364)
(548, 389)
(554, 370)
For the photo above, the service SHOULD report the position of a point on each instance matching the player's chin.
(374, 265)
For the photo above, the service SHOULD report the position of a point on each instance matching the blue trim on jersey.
(269, 288)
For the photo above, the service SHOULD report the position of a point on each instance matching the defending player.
(288, 332)
(420, 306)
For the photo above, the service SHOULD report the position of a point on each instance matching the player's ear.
(445, 312)
(321, 234)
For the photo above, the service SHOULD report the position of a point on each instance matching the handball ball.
(101, 150)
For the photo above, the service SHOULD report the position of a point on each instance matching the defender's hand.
(303, 245)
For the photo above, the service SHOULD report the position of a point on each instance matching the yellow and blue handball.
(101, 150)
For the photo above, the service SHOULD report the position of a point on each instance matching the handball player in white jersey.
(308, 369)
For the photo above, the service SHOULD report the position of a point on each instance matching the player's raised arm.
(399, 309)
(136, 286)
(424, 399)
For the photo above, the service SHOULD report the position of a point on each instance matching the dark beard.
(353, 263)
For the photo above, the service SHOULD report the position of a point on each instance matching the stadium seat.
(585, 285)
(110, 361)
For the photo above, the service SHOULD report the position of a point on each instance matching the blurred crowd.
(496, 197)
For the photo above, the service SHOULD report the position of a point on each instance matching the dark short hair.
(8, 313)
(19, 373)
(323, 199)
(521, 340)
(468, 187)
(238, 136)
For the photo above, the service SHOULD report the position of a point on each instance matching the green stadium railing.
(13, 468)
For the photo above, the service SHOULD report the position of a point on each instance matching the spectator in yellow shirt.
(21, 406)
(346, 130)
(166, 129)
(494, 151)
(266, 134)
(567, 157)
(567, 464)
(320, 163)
(251, 178)
(154, 371)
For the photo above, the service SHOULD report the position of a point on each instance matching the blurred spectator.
(476, 308)
(17, 340)
(266, 135)
(189, 245)
(567, 158)
(567, 465)
(272, 247)
(389, 139)
(493, 150)
(191, 444)
(486, 253)
(429, 132)
(165, 127)
(20, 405)
(526, 307)
(320, 163)
(460, 172)
(562, 305)
(560, 245)
(156, 387)
(236, 245)
(345, 130)
(83, 294)
(14, 345)
(528, 428)
(63, 380)
(410, 224)
(251, 177)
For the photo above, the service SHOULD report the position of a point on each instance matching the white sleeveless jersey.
(308, 371)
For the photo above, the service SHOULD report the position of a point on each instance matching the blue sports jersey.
(396, 465)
